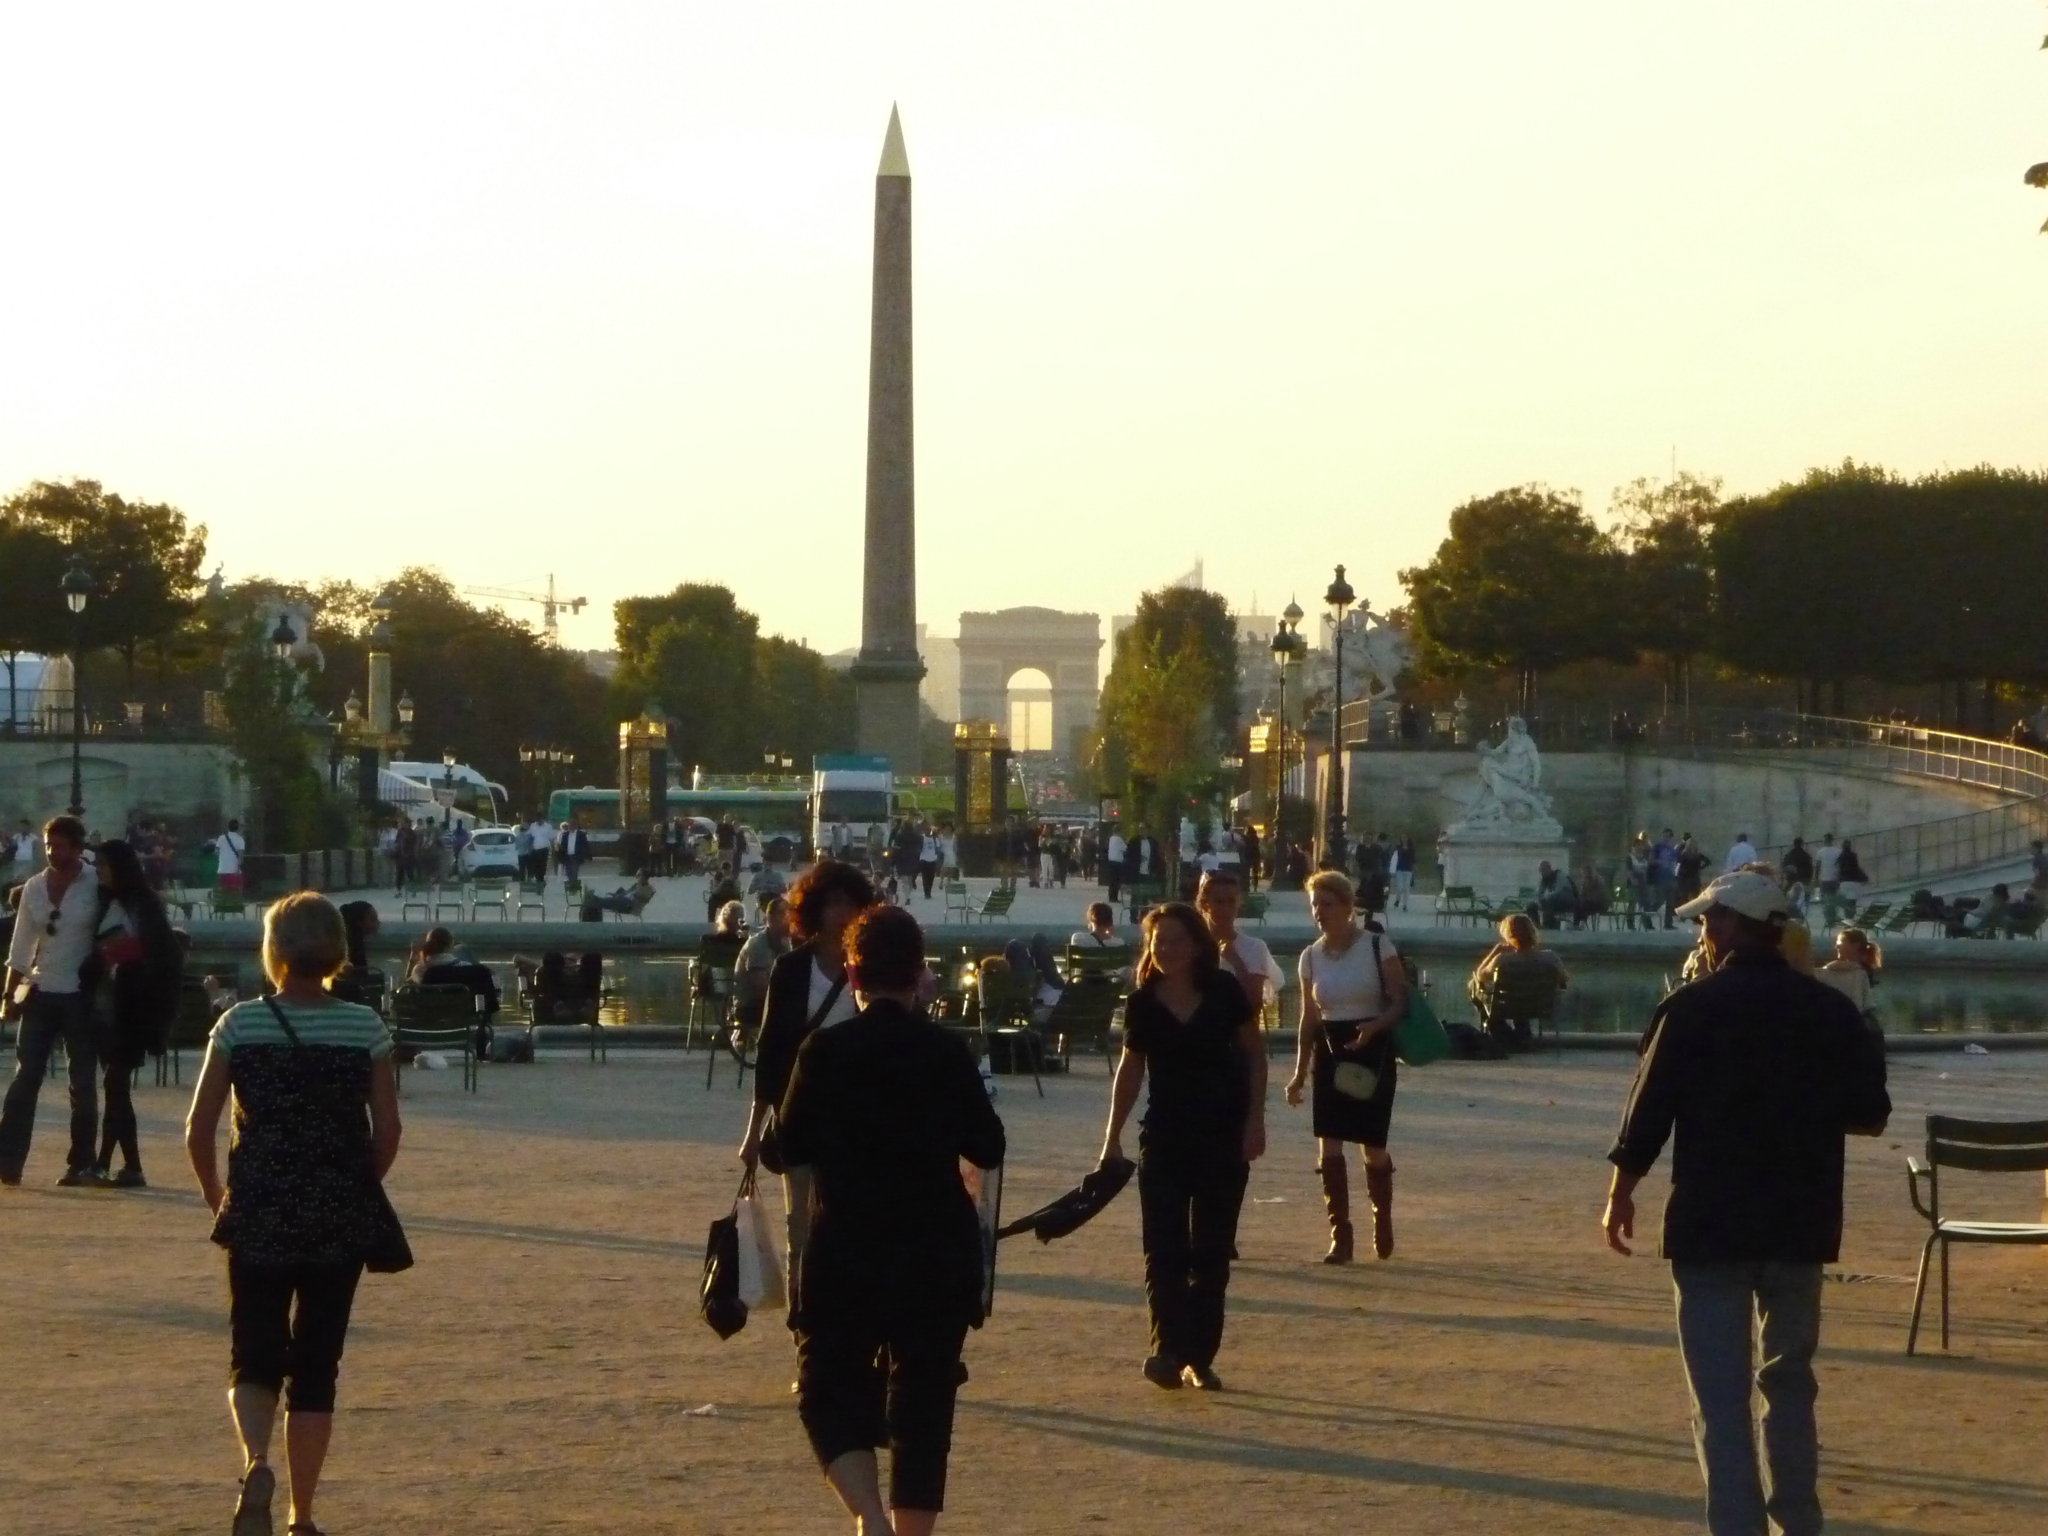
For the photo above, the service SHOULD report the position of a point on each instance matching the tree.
(1526, 582)
(32, 613)
(692, 655)
(483, 684)
(1662, 528)
(143, 558)
(1170, 701)
(801, 706)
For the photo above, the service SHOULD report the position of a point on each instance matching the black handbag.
(718, 1298)
(386, 1252)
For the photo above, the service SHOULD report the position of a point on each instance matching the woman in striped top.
(302, 1207)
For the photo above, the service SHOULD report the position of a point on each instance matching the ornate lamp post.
(1339, 597)
(1288, 646)
(77, 588)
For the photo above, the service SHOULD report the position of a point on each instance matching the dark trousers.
(270, 1344)
(927, 873)
(884, 1382)
(1188, 1207)
(1113, 877)
(118, 1127)
(47, 1017)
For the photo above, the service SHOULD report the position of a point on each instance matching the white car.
(490, 851)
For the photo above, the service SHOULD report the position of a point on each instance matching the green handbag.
(1419, 1037)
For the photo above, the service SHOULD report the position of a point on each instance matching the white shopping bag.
(762, 1283)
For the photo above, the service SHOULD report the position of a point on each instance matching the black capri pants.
(872, 1382)
(269, 1343)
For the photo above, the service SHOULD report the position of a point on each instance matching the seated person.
(730, 923)
(1034, 974)
(1557, 895)
(1594, 896)
(724, 887)
(1101, 930)
(768, 880)
(439, 961)
(1986, 921)
(353, 983)
(768, 943)
(626, 901)
(2026, 913)
(555, 994)
(1516, 957)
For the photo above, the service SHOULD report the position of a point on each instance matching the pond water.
(1605, 996)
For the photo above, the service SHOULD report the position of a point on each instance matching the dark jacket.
(785, 1023)
(1756, 1072)
(883, 1108)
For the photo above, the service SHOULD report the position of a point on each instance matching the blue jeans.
(1743, 1326)
(46, 1017)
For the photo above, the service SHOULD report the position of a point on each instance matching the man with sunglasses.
(48, 994)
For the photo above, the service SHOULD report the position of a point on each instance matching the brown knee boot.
(1379, 1188)
(1337, 1201)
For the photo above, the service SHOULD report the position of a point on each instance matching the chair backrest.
(192, 1024)
(1987, 1146)
(1090, 963)
(432, 1005)
(1523, 987)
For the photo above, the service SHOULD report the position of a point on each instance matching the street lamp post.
(1285, 640)
(1340, 597)
(77, 587)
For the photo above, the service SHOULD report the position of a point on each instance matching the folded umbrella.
(1077, 1206)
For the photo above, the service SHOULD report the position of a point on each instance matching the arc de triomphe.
(1066, 647)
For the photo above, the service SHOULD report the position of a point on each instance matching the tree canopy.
(1524, 582)
(1170, 701)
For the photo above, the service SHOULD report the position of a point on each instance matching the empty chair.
(1979, 1146)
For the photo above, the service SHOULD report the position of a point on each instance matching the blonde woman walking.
(1353, 991)
(302, 1210)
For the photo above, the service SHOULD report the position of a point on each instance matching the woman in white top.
(1353, 992)
(1853, 971)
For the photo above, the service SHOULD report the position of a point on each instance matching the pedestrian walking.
(1353, 992)
(52, 965)
(1403, 871)
(808, 991)
(1114, 853)
(572, 849)
(1755, 1073)
(405, 857)
(143, 962)
(302, 1209)
(1190, 1027)
(882, 1109)
(1827, 873)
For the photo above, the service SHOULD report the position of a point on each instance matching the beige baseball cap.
(1745, 891)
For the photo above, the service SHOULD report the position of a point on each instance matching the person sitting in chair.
(626, 901)
(1557, 895)
(439, 961)
(1517, 958)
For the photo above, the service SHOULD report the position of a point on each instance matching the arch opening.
(1029, 693)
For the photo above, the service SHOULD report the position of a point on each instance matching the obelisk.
(886, 675)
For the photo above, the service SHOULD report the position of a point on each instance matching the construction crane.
(550, 605)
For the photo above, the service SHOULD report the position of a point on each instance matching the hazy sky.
(583, 288)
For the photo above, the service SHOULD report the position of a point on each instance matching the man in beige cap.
(1755, 1073)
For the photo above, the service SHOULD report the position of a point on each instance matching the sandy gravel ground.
(543, 1370)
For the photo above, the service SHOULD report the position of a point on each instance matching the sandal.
(252, 1509)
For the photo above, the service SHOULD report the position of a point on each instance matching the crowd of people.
(865, 1108)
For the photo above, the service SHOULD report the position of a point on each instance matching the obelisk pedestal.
(887, 673)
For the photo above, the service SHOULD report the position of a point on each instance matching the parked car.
(490, 852)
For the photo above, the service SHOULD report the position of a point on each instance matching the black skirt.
(1338, 1115)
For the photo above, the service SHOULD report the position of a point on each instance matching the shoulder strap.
(283, 1023)
(818, 1017)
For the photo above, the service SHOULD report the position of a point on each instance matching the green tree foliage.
(33, 617)
(1662, 527)
(482, 684)
(729, 692)
(1857, 573)
(1170, 701)
(143, 557)
(275, 746)
(1525, 582)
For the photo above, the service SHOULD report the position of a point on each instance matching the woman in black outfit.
(807, 990)
(882, 1108)
(144, 962)
(1190, 1025)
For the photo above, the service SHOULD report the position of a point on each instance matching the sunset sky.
(513, 289)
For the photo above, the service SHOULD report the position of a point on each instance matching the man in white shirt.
(543, 834)
(1247, 958)
(1827, 874)
(27, 850)
(1740, 852)
(1113, 864)
(229, 848)
(55, 933)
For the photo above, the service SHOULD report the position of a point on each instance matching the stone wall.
(188, 783)
(1604, 797)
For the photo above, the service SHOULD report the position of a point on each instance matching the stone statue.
(1510, 794)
